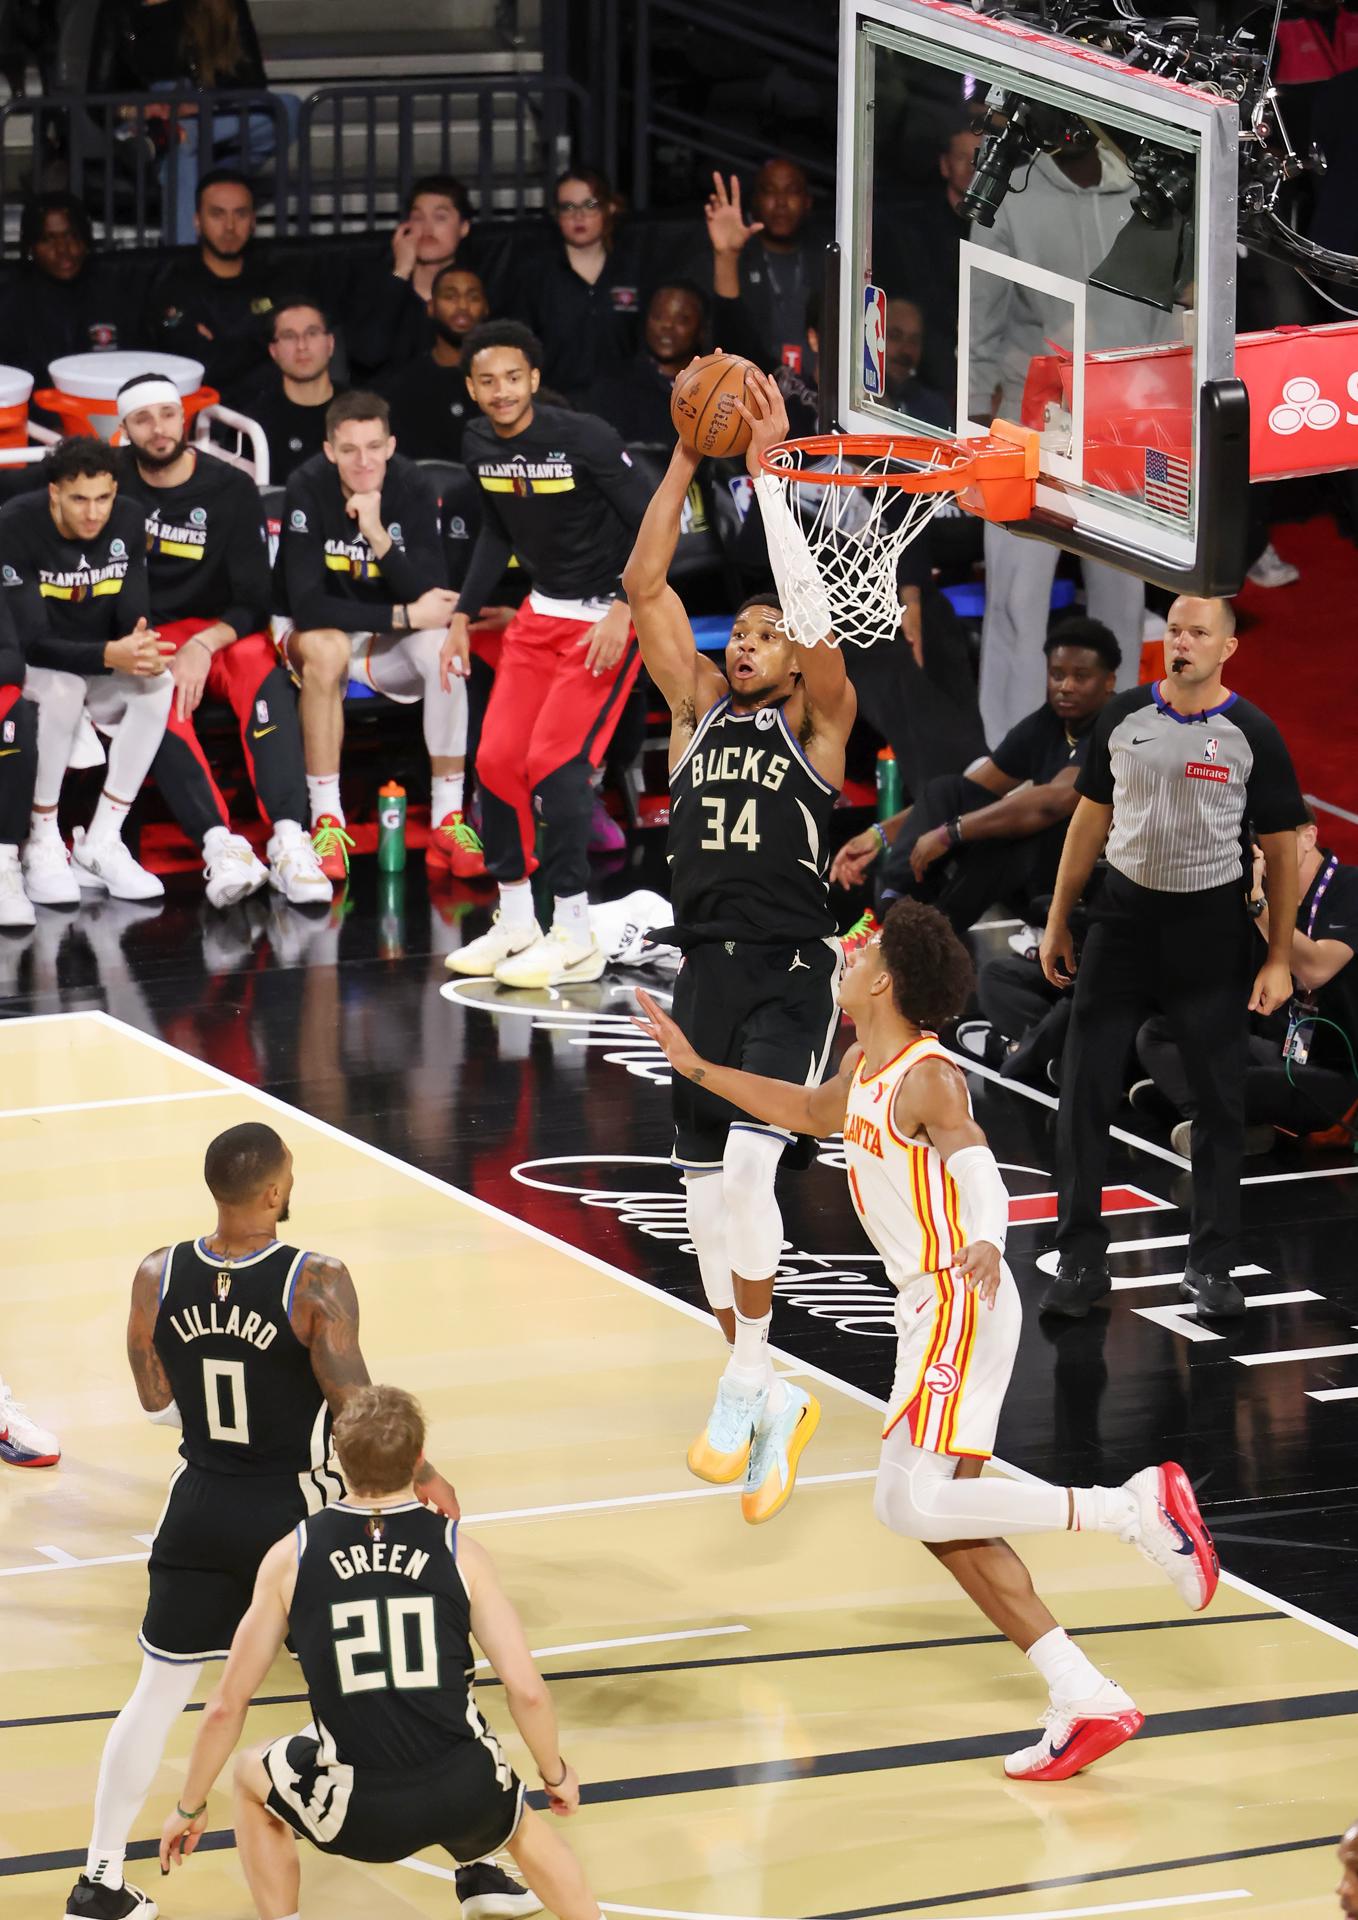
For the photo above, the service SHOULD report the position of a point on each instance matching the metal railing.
(352, 160)
(808, 53)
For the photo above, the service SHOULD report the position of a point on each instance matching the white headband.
(153, 390)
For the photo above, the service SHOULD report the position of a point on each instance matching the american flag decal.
(1167, 483)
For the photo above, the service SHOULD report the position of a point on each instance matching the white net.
(855, 534)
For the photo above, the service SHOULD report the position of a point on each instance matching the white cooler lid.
(98, 376)
(15, 386)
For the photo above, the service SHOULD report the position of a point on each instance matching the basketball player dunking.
(929, 1194)
(382, 1599)
(756, 760)
(249, 1346)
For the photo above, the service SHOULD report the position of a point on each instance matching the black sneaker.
(85, 1901)
(1075, 1290)
(487, 1892)
(1214, 1293)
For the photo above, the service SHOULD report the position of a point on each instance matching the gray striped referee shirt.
(1183, 786)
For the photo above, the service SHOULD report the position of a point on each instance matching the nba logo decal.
(9, 732)
(1209, 752)
(874, 341)
(261, 711)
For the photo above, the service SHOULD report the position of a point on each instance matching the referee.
(1176, 774)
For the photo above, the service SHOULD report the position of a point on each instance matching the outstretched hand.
(668, 1035)
(766, 411)
(726, 228)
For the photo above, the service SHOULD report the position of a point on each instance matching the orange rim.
(994, 475)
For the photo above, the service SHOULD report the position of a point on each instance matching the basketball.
(703, 406)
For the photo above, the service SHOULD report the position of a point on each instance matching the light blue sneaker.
(722, 1448)
(779, 1442)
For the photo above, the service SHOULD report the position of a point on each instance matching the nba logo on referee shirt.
(1209, 751)
(874, 341)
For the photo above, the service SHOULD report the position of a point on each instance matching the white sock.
(1069, 1673)
(214, 839)
(446, 796)
(43, 826)
(324, 795)
(749, 1365)
(1103, 1510)
(516, 904)
(132, 1753)
(571, 915)
(287, 829)
(109, 816)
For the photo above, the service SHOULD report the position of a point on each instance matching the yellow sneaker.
(722, 1449)
(779, 1442)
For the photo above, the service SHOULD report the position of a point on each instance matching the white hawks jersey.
(904, 1195)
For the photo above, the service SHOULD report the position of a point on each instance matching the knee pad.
(705, 1217)
(754, 1226)
(906, 1490)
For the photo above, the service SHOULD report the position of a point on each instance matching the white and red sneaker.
(23, 1443)
(1075, 1736)
(1172, 1534)
(454, 847)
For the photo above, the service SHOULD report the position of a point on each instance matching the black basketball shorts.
(469, 1801)
(767, 1010)
(214, 1531)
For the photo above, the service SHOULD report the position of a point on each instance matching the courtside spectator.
(429, 402)
(290, 403)
(75, 579)
(182, 47)
(583, 301)
(62, 300)
(218, 305)
(363, 571)
(388, 321)
(996, 831)
(904, 343)
(916, 243)
(772, 263)
(207, 564)
(559, 490)
(1301, 1077)
(634, 396)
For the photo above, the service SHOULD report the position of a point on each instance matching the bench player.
(929, 1194)
(249, 1346)
(382, 1598)
(756, 761)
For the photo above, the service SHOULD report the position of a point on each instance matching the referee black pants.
(1189, 956)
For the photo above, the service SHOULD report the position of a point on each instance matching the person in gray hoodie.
(1070, 210)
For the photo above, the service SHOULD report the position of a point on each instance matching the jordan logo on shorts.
(797, 961)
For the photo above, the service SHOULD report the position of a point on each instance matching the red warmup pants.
(548, 724)
(246, 675)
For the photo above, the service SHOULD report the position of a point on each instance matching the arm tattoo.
(325, 1319)
(152, 1382)
(697, 1073)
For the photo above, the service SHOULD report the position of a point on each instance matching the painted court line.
(604, 1267)
(129, 1100)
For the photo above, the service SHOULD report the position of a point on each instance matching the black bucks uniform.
(401, 1758)
(749, 833)
(256, 1446)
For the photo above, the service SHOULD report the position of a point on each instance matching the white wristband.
(985, 1199)
(165, 1416)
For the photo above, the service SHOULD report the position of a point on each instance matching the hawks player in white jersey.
(929, 1194)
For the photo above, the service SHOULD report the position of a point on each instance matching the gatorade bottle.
(391, 828)
(888, 784)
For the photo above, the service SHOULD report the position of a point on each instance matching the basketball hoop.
(860, 499)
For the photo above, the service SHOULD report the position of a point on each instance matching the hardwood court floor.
(800, 1720)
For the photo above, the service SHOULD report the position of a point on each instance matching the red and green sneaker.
(332, 847)
(859, 934)
(455, 848)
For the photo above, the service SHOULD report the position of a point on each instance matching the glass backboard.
(1093, 299)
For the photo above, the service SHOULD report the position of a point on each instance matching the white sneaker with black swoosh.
(1076, 1734)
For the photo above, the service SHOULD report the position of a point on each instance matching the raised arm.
(814, 1110)
(667, 646)
(499, 1633)
(324, 1316)
(153, 1385)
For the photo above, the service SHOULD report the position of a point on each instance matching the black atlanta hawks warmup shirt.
(1169, 929)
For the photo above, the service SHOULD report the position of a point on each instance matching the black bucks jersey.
(242, 1380)
(381, 1622)
(749, 832)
